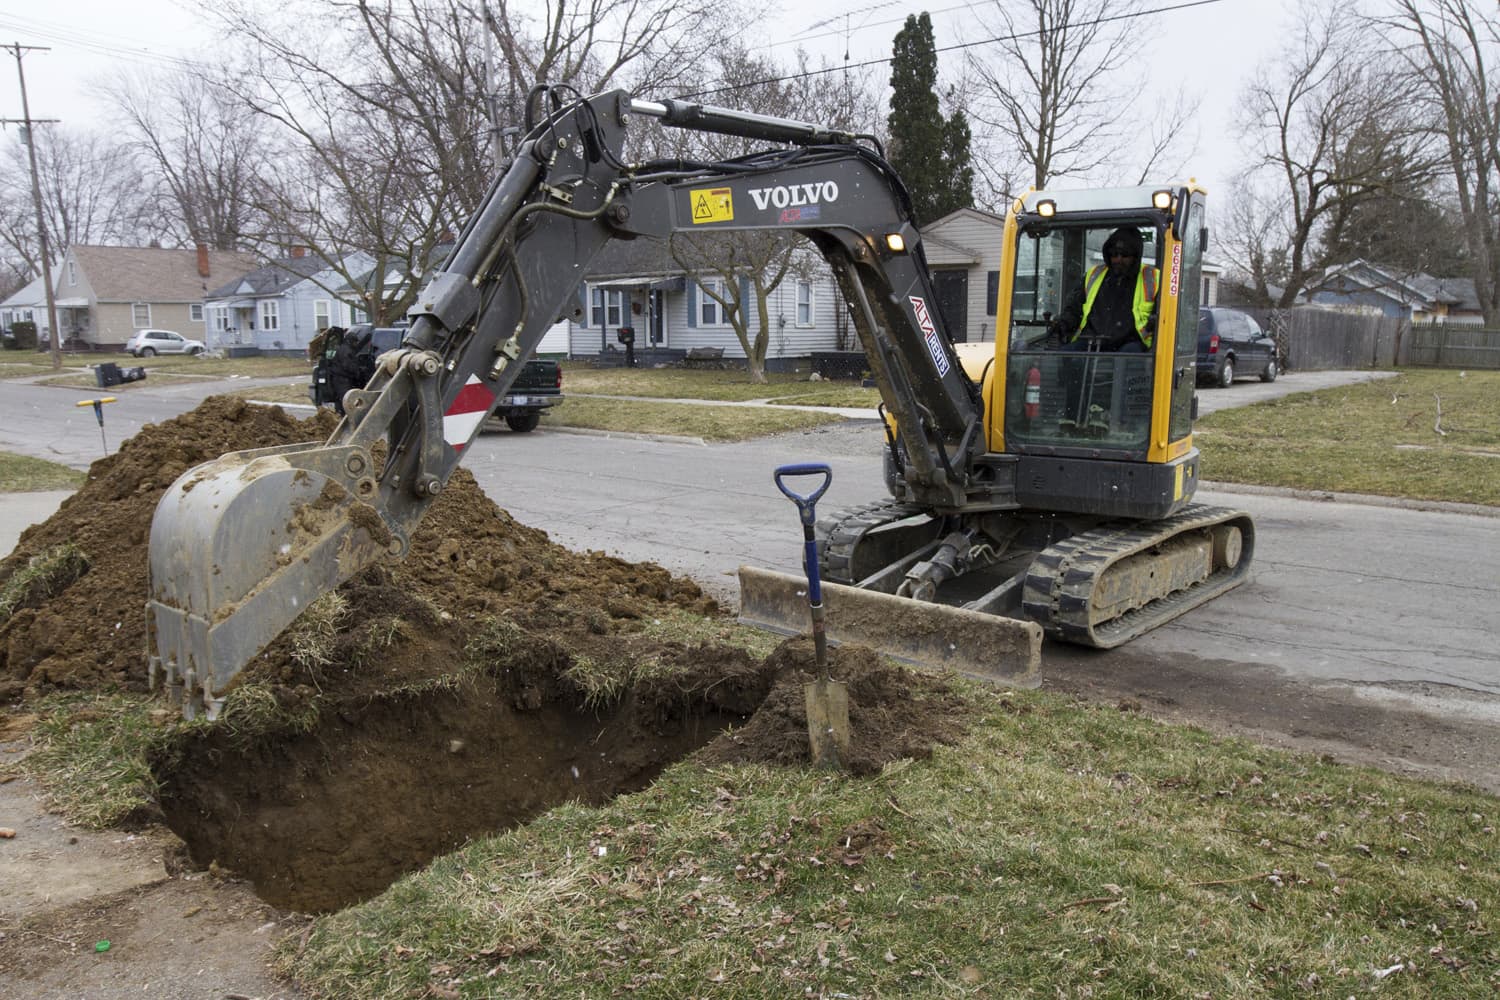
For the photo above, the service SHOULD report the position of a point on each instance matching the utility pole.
(26, 122)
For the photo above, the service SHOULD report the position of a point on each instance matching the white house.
(27, 305)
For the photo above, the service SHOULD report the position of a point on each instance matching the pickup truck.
(345, 359)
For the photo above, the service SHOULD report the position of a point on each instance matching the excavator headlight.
(1046, 208)
(1161, 200)
(895, 242)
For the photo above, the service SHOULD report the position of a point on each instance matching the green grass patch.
(1061, 850)
(729, 385)
(91, 753)
(1424, 435)
(43, 577)
(24, 474)
(26, 369)
(711, 423)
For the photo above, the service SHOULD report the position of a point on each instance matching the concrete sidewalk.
(19, 511)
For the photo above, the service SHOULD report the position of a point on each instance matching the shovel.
(827, 700)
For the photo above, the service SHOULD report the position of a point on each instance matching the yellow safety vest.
(1145, 298)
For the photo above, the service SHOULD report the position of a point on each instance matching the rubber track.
(1062, 578)
(840, 535)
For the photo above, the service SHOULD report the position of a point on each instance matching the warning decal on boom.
(712, 205)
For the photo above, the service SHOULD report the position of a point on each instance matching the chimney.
(298, 253)
(203, 260)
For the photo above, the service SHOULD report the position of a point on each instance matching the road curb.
(1364, 499)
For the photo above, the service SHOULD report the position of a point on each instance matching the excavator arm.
(242, 545)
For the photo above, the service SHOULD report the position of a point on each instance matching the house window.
(140, 315)
(710, 313)
(607, 308)
(322, 314)
(72, 272)
(221, 319)
(805, 315)
(991, 292)
(195, 312)
(270, 315)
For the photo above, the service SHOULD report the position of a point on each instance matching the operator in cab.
(1115, 307)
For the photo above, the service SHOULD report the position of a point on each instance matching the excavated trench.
(449, 692)
(323, 819)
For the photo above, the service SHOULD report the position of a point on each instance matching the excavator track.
(840, 535)
(1108, 585)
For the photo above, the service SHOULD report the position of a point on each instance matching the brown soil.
(393, 774)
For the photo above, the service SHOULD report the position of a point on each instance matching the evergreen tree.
(930, 153)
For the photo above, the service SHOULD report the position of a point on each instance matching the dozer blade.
(933, 636)
(240, 546)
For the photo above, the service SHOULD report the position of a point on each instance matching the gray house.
(280, 307)
(637, 285)
(1360, 286)
(104, 294)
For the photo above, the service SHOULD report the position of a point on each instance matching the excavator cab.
(1065, 395)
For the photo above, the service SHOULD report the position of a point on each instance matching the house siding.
(972, 234)
(787, 342)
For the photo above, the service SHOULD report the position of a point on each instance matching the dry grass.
(1061, 851)
(1424, 435)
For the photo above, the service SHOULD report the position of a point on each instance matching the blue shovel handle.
(807, 513)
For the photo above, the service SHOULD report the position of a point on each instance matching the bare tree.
(91, 193)
(1058, 90)
(204, 149)
(741, 269)
(1329, 128)
(382, 111)
(646, 45)
(1452, 46)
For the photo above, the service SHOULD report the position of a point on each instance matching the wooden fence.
(1454, 347)
(1320, 339)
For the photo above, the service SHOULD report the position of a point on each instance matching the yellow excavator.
(1033, 483)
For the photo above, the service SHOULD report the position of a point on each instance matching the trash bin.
(107, 374)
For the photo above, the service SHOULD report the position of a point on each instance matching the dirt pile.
(394, 770)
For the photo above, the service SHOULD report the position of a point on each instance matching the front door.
(656, 322)
(952, 288)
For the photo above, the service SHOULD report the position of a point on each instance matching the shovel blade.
(827, 703)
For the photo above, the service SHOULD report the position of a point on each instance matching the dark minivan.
(1232, 345)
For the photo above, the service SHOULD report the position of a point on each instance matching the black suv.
(1232, 345)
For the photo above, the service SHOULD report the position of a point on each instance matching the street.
(1367, 630)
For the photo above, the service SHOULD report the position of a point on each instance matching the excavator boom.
(242, 545)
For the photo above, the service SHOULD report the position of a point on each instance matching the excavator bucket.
(932, 636)
(240, 547)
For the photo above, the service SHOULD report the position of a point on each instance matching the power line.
(949, 48)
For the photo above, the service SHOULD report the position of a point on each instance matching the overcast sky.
(1206, 49)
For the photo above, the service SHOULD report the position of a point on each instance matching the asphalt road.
(1368, 628)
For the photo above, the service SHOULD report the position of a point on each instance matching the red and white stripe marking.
(468, 411)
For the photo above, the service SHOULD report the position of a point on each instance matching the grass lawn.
(1060, 849)
(731, 385)
(24, 474)
(1424, 435)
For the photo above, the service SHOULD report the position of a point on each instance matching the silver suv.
(145, 343)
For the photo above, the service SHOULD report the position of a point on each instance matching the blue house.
(1419, 298)
(280, 307)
